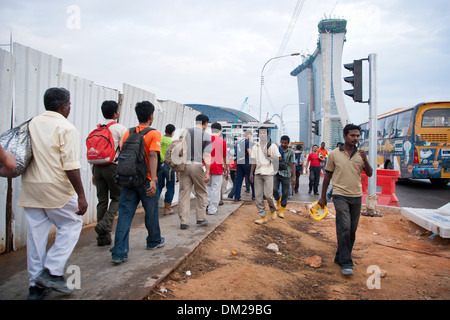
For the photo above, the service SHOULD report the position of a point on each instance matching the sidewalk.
(101, 280)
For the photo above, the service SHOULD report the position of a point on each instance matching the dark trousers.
(107, 189)
(285, 183)
(348, 211)
(314, 178)
(242, 170)
(298, 172)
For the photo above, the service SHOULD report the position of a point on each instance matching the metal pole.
(262, 80)
(372, 183)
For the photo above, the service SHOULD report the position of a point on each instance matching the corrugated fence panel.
(35, 72)
(6, 99)
(133, 95)
(86, 98)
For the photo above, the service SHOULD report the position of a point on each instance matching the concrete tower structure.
(320, 87)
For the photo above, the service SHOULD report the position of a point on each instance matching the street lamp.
(262, 79)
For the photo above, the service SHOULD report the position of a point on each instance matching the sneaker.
(203, 223)
(347, 271)
(221, 203)
(160, 245)
(56, 283)
(117, 260)
(184, 226)
(37, 293)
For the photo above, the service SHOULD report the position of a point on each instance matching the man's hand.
(322, 201)
(152, 190)
(363, 155)
(251, 177)
(206, 177)
(7, 163)
(82, 206)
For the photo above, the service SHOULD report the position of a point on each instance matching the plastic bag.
(18, 141)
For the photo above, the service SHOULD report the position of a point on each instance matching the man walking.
(313, 167)
(243, 154)
(299, 160)
(146, 193)
(344, 167)
(103, 177)
(218, 168)
(52, 194)
(323, 154)
(285, 175)
(262, 170)
(198, 150)
(166, 177)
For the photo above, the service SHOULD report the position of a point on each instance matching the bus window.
(380, 130)
(436, 118)
(389, 126)
(403, 122)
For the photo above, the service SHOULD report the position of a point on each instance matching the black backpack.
(132, 169)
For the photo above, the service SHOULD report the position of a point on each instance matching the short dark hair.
(351, 126)
(202, 117)
(109, 107)
(216, 126)
(285, 138)
(170, 128)
(55, 98)
(144, 110)
(263, 128)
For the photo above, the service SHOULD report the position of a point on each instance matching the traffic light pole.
(371, 201)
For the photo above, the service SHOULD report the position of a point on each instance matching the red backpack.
(100, 145)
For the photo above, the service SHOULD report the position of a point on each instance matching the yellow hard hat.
(316, 211)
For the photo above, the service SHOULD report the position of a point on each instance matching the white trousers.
(214, 188)
(39, 222)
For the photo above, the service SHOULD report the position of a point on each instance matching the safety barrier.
(386, 180)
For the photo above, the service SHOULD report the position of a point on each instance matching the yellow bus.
(414, 140)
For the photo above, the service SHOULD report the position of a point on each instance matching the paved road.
(421, 194)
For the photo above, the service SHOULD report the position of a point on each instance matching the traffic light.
(315, 127)
(355, 80)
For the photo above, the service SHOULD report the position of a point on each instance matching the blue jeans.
(242, 170)
(129, 200)
(166, 178)
(348, 211)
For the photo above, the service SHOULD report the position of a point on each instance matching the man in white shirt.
(52, 194)
(263, 158)
(103, 178)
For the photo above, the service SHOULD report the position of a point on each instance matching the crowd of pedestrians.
(136, 172)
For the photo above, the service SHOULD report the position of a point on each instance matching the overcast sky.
(212, 51)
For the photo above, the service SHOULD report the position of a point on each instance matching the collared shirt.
(56, 148)
(264, 165)
(346, 172)
(289, 158)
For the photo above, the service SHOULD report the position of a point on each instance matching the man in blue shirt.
(243, 154)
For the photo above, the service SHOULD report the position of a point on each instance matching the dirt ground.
(234, 263)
